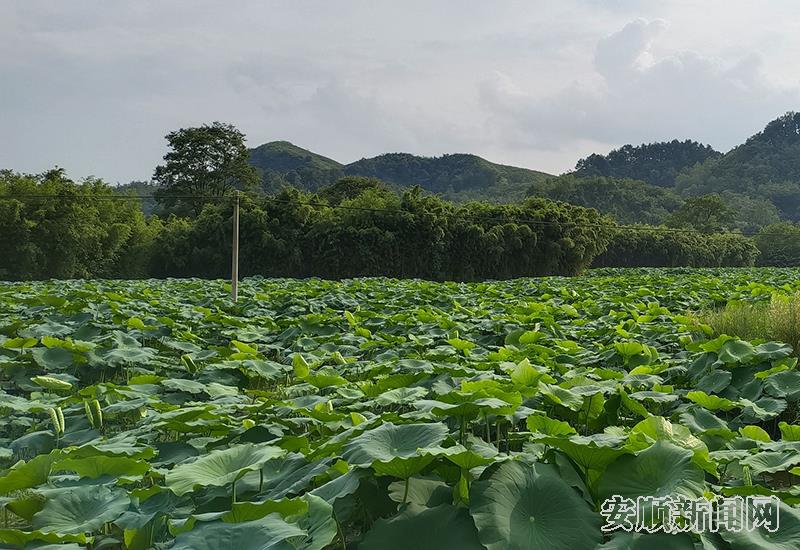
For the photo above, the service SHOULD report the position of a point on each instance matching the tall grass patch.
(778, 319)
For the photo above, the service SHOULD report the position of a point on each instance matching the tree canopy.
(656, 163)
(208, 160)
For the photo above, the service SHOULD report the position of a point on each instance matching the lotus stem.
(405, 492)
(339, 530)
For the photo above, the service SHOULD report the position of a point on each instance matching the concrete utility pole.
(235, 252)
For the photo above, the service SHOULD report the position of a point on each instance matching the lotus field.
(381, 414)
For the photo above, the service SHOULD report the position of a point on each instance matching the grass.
(778, 320)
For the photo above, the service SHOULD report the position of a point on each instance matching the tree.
(54, 227)
(779, 245)
(351, 187)
(707, 213)
(205, 162)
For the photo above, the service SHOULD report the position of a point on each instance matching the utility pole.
(235, 252)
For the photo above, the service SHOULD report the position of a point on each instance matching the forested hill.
(767, 166)
(282, 163)
(656, 163)
(456, 176)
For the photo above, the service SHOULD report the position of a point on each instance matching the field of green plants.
(381, 414)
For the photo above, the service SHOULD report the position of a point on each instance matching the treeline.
(643, 246)
(55, 228)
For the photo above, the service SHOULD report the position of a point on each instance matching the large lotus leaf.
(184, 385)
(562, 396)
(711, 402)
(772, 461)
(53, 383)
(97, 466)
(400, 396)
(52, 359)
(81, 509)
(770, 351)
(468, 409)
(715, 381)
(123, 444)
(390, 441)
(662, 470)
(549, 426)
(789, 432)
(784, 384)
(220, 467)
(735, 352)
(468, 459)
(268, 533)
(402, 467)
(422, 492)
(444, 527)
(657, 428)
(249, 511)
(24, 475)
(700, 420)
(340, 487)
(649, 541)
(785, 538)
(283, 476)
(589, 452)
(518, 506)
(20, 538)
(763, 409)
(318, 523)
(128, 356)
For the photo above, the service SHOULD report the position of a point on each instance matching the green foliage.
(351, 187)
(778, 319)
(764, 166)
(627, 200)
(642, 246)
(463, 415)
(73, 231)
(422, 236)
(656, 163)
(453, 176)
(209, 160)
(708, 213)
(457, 177)
(280, 163)
(779, 245)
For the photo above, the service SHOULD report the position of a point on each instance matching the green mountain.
(457, 177)
(282, 163)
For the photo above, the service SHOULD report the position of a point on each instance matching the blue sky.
(93, 86)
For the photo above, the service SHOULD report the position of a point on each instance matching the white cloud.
(94, 86)
(636, 95)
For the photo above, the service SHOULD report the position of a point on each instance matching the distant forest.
(458, 216)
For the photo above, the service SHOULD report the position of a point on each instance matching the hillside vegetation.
(457, 177)
(656, 163)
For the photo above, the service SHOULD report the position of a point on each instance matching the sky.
(93, 86)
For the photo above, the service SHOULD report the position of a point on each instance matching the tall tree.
(203, 163)
(706, 213)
